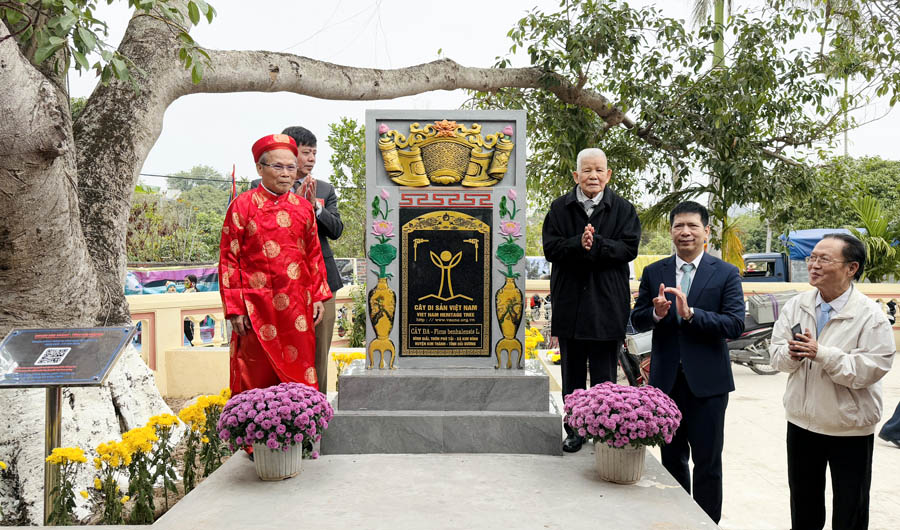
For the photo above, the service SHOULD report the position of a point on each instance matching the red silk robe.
(271, 269)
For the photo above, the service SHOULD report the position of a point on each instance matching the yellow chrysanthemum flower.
(84, 493)
(67, 455)
(205, 440)
(125, 499)
(225, 393)
(162, 420)
(140, 439)
(211, 401)
(194, 416)
(97, 484)
(115, 454)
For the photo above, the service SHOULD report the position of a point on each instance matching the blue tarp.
(801, 242)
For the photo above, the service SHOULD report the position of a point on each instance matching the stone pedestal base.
(444, 411)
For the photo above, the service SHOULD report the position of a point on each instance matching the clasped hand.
(804, 346)
(308, 190)
(587, 238)
(661, 304)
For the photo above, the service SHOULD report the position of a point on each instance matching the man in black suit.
(328, 220)
(693, 302)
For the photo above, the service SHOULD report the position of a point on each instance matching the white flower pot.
(277, 464)
(623, 465)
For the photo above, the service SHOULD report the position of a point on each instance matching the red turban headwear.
(272, 142)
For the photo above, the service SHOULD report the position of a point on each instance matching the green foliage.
(534, 235)
(357, 337)
(164, 463)
(655, 241)
(186, 229)
(753, 229)
(184, 183)
(55, 34)
(747, 125)
(348, 141)
(63, 496)
(882, 257)
(140, 489)
(836, 186)
(76, 105)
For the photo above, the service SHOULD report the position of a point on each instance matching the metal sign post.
(52, 426)
(53, 359)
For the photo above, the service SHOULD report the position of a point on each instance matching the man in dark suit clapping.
(693, 302)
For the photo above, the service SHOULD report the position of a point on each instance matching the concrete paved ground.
(437, 491)
(756, 494)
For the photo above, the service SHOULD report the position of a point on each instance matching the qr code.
(52, 356)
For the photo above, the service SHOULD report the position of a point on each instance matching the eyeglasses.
(279, 167)
(822, 260)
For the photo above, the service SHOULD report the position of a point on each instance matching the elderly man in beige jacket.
(836, 344)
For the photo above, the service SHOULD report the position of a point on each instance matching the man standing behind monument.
(272, 275)
(693, 302)
(590, 234)
(328, 220)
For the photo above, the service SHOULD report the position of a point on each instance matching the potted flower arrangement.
(281, 423)
(622, 421)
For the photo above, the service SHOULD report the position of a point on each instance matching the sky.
(362, 33)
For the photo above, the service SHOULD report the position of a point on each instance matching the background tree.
(197, 176)
(534, 226)
(836, 186)
(741, 133)
(182, 230)
(880, 234)
(348, 141)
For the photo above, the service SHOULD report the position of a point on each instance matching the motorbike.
(751, 349)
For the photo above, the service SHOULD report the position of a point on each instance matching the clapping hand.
(660, 304)
(681, 303)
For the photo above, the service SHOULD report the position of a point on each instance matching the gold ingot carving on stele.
(445, 153)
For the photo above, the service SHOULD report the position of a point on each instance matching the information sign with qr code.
(61, 357)
(52, 356)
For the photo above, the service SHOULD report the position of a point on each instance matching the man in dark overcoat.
(590, 234)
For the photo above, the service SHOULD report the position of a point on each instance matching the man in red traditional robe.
(271, 275)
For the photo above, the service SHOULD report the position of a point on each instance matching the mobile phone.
(796, 331)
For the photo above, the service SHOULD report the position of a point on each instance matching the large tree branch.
(243, 71)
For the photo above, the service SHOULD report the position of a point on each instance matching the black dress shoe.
(573, 443)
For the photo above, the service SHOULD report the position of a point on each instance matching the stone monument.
(444, 368)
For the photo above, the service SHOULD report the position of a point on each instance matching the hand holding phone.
(795, 330)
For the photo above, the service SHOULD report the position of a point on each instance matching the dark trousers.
(575, 355)
(700, 437)
(890, 431)
(850, 461)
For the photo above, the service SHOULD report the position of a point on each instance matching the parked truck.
(790, 266)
